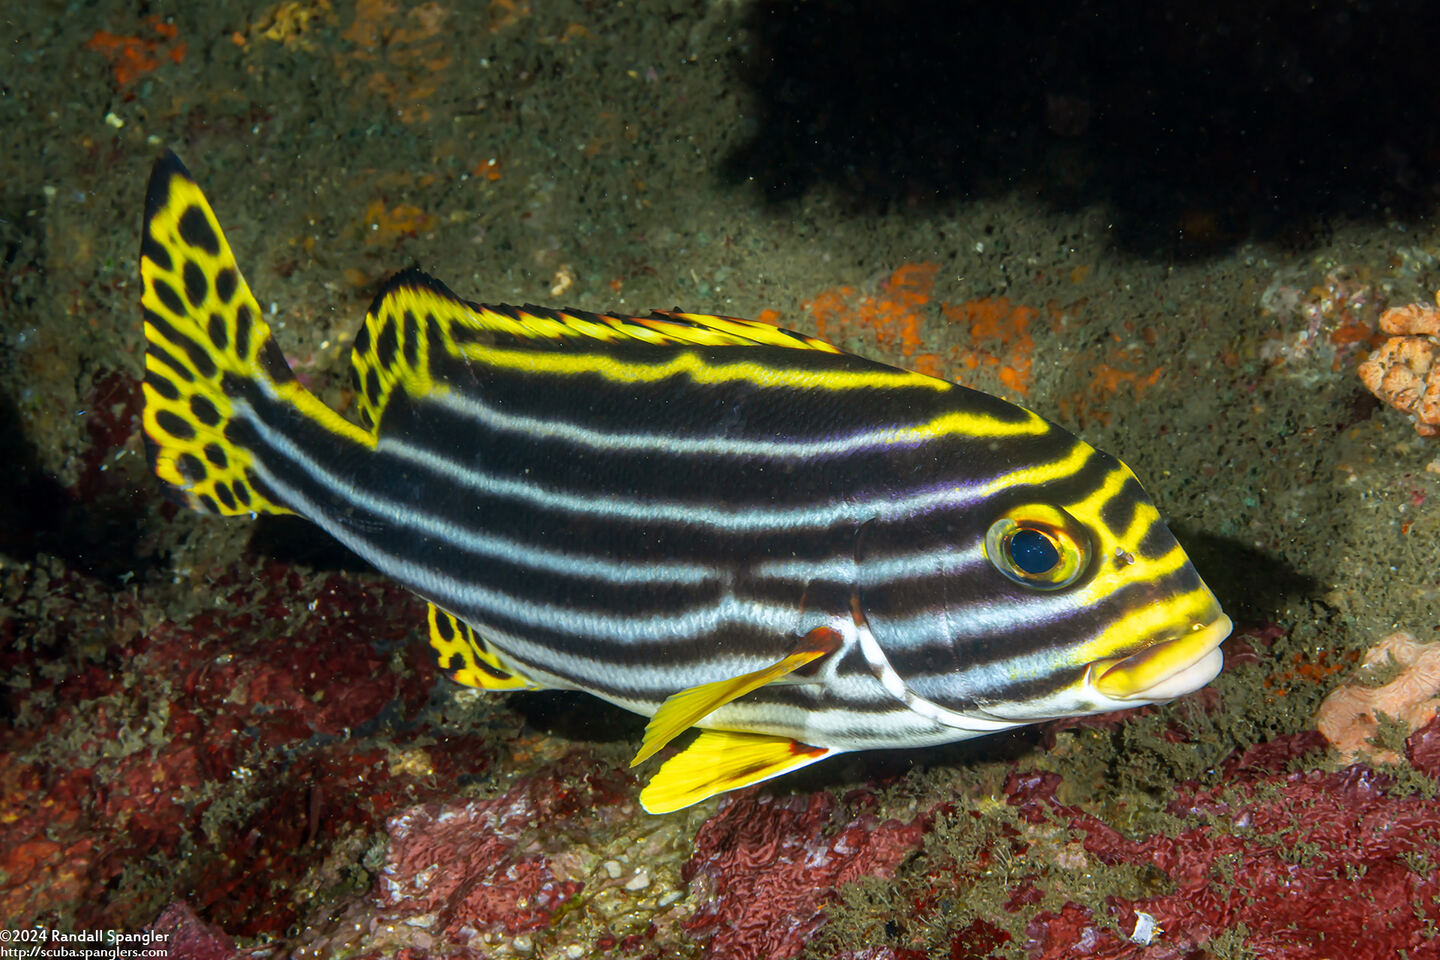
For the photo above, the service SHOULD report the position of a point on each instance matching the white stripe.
(739, 519)
(890, 678)
(951, 560)
(517, 553)
(532, 428)
(991, 620)
(454, 594)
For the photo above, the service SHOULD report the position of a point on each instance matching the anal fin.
(721, 760)
(468, 659)
(684, 709)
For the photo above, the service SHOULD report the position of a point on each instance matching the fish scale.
(713, 522)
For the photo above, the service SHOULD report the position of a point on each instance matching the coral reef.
(1403, 372)
(1351, 714)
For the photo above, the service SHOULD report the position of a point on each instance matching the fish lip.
(1169, 668)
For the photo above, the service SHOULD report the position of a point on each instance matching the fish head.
(1041, 600)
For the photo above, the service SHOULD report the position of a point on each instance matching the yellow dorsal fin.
(720, 760)
(393, 345)
(683, 710)
(468, 659)
(413, 311)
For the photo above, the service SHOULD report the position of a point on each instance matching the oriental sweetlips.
(709, 521)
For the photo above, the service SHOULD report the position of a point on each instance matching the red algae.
(218, 742)
(1262, 855)
(766, 866)
(1423, 748)
(999, 336)
(464, 863)
(190, 938)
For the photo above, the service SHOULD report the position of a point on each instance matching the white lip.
(1188, 680)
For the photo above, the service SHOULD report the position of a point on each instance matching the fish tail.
(210, 358)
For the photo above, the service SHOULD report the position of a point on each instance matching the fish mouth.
(1163, 670)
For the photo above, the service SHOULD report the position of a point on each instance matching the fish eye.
(1038, 546)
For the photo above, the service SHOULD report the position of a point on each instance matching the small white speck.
(1146, 929)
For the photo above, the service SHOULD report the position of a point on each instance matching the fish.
(715, 523)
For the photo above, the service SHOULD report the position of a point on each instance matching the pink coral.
(1349, 716)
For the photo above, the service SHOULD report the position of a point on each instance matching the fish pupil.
(1033, 552)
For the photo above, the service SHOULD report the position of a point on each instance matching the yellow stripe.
(313, 409)
(1143, 569)
(975, 425)
(570, 364)
(1146, 623)
(1043, 473)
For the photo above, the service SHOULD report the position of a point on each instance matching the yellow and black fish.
(709, 521)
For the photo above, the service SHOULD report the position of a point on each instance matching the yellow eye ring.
(1038, 546)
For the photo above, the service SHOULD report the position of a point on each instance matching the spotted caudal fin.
(208, 355)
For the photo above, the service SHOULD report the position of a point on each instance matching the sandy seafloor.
(1173, 237)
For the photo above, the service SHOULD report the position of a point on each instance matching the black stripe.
(1157, 541)
(736, 481)
(1119, 511)
(217, 332)
(180, 370)
(942, 654)
(174, 425)
(412, 340)
(743, 409)
(242, 330)
(191, 468)
(199, 356)
(152, 250)
(204, 410)
(272, 361)
(162, 385)
(168, 296)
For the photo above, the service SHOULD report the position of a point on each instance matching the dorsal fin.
(414, 314)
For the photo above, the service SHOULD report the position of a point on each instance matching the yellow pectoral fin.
(720, 760)
(468, 659)
(684, 709)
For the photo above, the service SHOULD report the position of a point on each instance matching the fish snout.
(1170, 667)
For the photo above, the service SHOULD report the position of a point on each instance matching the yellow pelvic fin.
(684, 709)
(720, 760)
(468, 659)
